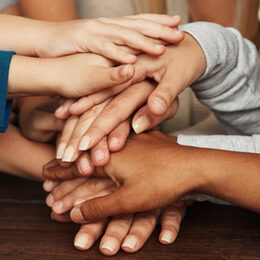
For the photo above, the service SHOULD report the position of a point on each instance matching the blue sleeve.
(5, 105)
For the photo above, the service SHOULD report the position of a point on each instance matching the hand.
(129, 232)
(151, 171)
(175, 70)
(110, 121)
(104, 36)
(36, 119)
(71, 76)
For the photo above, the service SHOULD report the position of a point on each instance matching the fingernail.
(99, 156)
(126, 69)
(68, 154)
(57, 207)
(114, 142)
(60, 109)
(160, 105)
(109, 244)
(84, 143)
(167, 237)
(49, 200)
(130, 242)
(77, 216)
(84, 166)
(81, 241)
(48, 185)
(140, 124)
(60, 151)
(159, 47)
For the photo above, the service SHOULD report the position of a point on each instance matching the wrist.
(28, 77)
(189, 163)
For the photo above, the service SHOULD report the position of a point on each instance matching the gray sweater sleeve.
(230, 86)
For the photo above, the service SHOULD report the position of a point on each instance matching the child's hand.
(37, 121)
(104, 36)
(83, 74)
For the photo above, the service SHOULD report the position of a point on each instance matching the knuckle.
(93, 208)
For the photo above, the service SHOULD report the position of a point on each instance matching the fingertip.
(140, 124)
(157, 105)
(48, 185)
(76, 215)
(130, 243)
(127, 71)
(167, 237)
(109, 246)
(82, 242)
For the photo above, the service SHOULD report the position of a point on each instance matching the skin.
(129, 232)
(188, 62)
(214, 172)
(42, 38)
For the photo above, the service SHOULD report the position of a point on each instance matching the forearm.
(21, 157)
(230, 84)
(21, 35)
(49, 10)
(31, 76)
(231, 176)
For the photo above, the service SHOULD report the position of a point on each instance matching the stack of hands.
(118, 74)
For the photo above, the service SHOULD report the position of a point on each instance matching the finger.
(71, 152)
(144, 119)
(85, 165)
(54, 171)
(109, 77)
(165, 19)
(64, 218)
(164, 94)
(89, 188)
(140, 231)
(62, 112)
(65, 136)
(49, 185)
(86, 103)
(117, 111)
(66, 187)
(119, 202)
(118, 136)
(149, 28)
(170, 220)
(88, 234)
(115, 233)
(100, 153)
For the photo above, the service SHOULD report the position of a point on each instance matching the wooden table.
(208, 231)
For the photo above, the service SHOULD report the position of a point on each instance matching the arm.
(152, 171)
(21, 157)
(230, 84)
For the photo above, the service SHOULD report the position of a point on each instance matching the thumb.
(99, 208)
(165, 93)
(144, 119)
(110, 77)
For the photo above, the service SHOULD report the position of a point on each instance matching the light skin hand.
(175, 70)
(130, 232)
(27, 76)
(104, 36)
